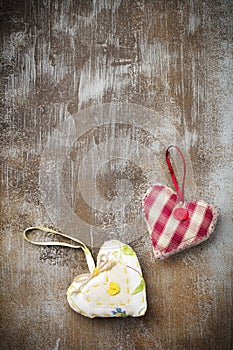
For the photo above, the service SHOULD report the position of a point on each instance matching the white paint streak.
(57, 344)
(104, 78)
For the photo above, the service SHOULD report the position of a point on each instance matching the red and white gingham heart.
(173, 224)
(170, 235)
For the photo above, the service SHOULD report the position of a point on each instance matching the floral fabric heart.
(115, 288)
(173, 224)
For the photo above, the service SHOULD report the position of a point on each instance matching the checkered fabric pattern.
(168, 234)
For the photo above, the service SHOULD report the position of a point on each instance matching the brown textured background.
(60, 57)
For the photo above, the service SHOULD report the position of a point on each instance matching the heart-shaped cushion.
(115, 288)
(174, 226)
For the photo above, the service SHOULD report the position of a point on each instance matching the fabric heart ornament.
(113, 288)
(174, 224)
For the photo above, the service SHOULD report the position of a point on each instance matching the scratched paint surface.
(66, 68)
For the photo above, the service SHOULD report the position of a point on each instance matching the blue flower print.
(119, 312)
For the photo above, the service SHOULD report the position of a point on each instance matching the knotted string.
(180, 193)
(104, 265)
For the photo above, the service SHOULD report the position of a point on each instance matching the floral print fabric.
(116, 287)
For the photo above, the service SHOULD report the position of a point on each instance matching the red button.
(181, 214)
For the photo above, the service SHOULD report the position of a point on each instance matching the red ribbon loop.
(180, 193)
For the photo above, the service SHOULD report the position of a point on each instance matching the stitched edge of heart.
(159, 253)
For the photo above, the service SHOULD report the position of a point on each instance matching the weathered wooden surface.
(87, 173)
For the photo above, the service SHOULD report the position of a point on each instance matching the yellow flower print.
(113, 288)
